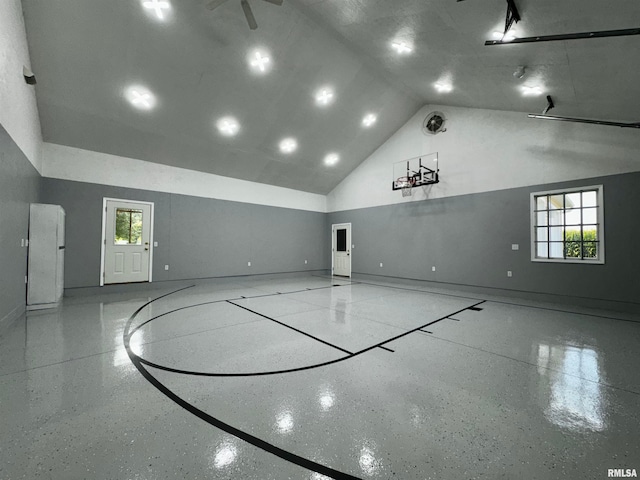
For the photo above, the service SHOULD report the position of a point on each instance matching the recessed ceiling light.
(140, 97)
(403, 48)
(228, 126)
(532, 91)
(443, 87)
(157, 7)
(259, 61)
(288, 145)
(369, 119)
(324, 96)
(331, 159)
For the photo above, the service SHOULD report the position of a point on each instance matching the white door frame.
(103, 242)
(333, 246)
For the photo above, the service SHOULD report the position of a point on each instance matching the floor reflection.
(326, 399)
(284, 422)
(224, 455)
(369, 464)
(576, 399)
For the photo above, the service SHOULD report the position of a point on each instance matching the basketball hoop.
(406, 184)
(415, 172)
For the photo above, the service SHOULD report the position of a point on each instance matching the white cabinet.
(46, 256)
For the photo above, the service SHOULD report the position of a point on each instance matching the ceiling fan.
(246, 8)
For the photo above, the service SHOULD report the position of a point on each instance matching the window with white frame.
(568, 225)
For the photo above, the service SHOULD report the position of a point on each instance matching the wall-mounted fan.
(434, 123)
(246, 8)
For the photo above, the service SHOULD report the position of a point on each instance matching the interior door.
(60, 251)
(341, 249)
(127, 242)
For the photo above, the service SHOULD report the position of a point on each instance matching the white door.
(60, 258)
(341, 248)
(127, 241)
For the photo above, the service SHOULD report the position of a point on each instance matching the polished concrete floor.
(308, 377)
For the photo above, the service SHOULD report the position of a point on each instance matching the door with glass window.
(127, 248)
(341, 249)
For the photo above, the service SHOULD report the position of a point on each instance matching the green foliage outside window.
(128, 227)
(574, 243)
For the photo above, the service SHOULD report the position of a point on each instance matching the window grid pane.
(128, 227)
(566, 225)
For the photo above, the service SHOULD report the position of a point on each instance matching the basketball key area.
(313, 377)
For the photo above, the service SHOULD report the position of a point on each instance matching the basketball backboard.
(416, 171)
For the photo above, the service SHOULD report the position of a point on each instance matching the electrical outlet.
(155, 244)
(26, 242)
(22, 242)
(248, 264)
(305, 262)
(380, 264)
(166, 267)
(509, 273)
(433, 269)
(515, 246)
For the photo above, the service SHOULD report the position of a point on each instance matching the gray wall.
(19, 186)
(197, 237)
(468, 238)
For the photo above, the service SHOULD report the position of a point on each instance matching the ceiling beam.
(567, 36)
(585, 120)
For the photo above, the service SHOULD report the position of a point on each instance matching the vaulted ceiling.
(197, 64)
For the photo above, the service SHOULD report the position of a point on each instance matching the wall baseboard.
(169, 284)
(521, 295)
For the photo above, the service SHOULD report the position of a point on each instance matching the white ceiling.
(86, 52)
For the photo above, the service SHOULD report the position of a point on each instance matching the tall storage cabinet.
(46, 256)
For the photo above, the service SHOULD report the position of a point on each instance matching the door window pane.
(341, 240)
(128, 227)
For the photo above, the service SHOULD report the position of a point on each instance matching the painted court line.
(291, 457)
(292, 328)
